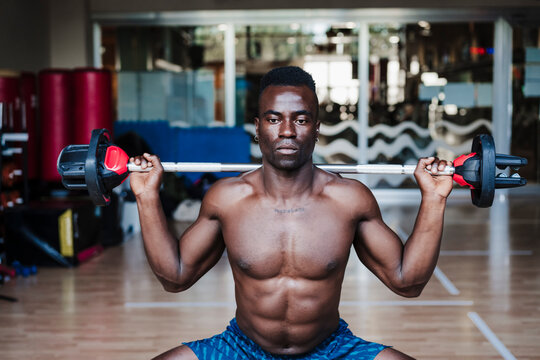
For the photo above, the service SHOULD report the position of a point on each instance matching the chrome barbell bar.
(388, 169)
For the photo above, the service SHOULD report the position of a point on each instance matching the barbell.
(100, 166)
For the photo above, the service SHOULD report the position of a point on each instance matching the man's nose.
(287, 129)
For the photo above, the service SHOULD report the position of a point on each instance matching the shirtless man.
(288, 228)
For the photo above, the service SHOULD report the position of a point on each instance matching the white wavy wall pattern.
(466, 129)
(401, 142)
(394, 131)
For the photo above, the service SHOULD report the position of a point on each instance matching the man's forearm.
(160, 246)
(421, 250)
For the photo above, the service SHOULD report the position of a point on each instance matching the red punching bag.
(9, 97)
(28, 120)
(92, 103)
(55, 94)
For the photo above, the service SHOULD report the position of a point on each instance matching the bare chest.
(302, 241)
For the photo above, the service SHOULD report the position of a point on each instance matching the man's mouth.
(287, 149)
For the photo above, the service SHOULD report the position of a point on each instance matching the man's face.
(287, 126)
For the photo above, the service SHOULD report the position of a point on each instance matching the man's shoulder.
(347, 190)
(231, 188)
(338, 183)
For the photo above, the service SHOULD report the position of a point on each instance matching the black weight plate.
(484, 146)
(97, 191)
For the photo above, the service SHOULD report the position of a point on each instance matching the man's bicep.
(378, 247)
(201, 245)
(200, 240)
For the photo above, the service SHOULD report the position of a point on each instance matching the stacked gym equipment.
(70, 102)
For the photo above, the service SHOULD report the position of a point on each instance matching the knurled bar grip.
(335, 168)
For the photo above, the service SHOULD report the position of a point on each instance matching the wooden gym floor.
(483, 301)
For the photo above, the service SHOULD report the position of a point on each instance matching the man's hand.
(146, 183)
(432, 184)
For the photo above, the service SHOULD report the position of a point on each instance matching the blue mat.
(199, 144)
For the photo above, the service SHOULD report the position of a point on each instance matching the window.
(172, 73)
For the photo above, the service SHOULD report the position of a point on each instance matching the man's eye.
(273, 120)
(301, 121)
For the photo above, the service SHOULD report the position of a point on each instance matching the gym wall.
(24, 35)
(41, 34)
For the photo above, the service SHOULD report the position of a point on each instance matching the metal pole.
(230, 76)
(363, 93)
(502, 86)
(336, 168)
(96, 44)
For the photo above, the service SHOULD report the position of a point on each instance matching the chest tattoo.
(289, 211)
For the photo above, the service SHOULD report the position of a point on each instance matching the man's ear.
(256, 121)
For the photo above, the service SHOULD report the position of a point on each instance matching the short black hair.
(288, 76)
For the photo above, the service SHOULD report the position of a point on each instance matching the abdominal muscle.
(285, 315)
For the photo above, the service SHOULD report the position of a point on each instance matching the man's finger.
(153, 161)
(443, 164)
(425, 163)
(148, 160)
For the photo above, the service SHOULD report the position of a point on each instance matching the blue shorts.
(235, 345)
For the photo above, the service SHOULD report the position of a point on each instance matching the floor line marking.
(409, 303)
(172, 304)
(484, 221)
(215, 304)
(484, 253)
(490, 335)
(446, 283)
(443, 279)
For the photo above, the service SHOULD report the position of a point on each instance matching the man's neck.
(288, 184)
